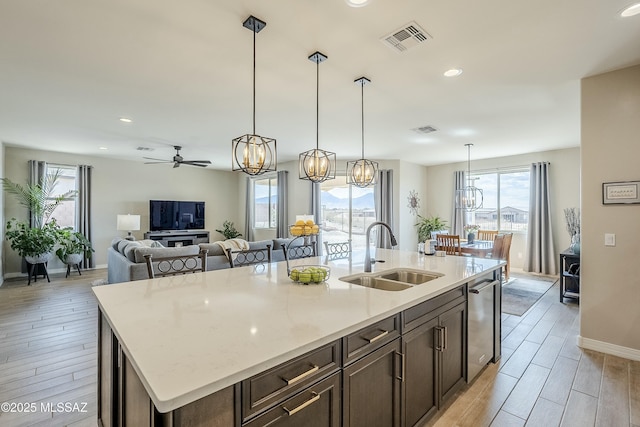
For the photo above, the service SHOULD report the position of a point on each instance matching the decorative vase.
(575, 244)
(471, 237)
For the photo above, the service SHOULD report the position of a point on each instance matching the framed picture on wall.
(620, 193)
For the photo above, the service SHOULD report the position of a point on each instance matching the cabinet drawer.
(370, 338)
(262, 391)
(318, 405)
(423, 312)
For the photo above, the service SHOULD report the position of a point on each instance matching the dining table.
(479, 248)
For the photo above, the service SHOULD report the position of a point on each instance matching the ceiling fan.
(178, 160)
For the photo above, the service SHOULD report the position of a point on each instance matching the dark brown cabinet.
(371, 389)
(317, 406)
(569, 275)
(435, 355)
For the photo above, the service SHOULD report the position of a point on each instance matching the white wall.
(564, 183)
(610, 283)
(2, 217)
(121, 186)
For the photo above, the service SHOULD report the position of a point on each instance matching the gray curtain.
(458, 216)
(540, 257)
(316, 211)
(249, 214)
(84, 208)
(282, 228)
(37, 173)
(383, 195)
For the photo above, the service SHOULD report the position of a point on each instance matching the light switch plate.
(609, 239)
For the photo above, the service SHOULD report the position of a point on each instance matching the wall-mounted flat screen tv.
(175, 215)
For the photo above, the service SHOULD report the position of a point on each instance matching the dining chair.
(487, 234)
(506, 254)
(301, 251)
(174, 265)
(450, 243)
(338, 250)
(240, 258)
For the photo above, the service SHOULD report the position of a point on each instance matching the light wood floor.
(545, 379)
(48, 355)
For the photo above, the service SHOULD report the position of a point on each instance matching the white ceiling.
(70, 69)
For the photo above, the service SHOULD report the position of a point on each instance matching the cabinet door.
(453, 359)
(315, 406)
(420, 379)
(371, 389)
(108, 374)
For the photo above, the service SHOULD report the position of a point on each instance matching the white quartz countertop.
(191, 335)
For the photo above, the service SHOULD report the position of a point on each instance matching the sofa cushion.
(165, 252)
(213, 248)
(261, 244)
(115, 241)
(129, 250)
(122, 244)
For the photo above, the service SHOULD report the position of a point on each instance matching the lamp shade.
(128, 223)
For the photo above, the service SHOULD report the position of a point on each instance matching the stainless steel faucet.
(367, 254)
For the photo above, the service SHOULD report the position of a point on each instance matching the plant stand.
(76, 266)
(73, 260)
(33, 271)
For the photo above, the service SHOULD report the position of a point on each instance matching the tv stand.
(178, 237)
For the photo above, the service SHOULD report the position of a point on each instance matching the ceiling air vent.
(425, 129)
(406, 37)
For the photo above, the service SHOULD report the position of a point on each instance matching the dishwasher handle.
(484, 284)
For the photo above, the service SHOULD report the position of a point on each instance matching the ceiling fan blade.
(152, 158)
(206, 162)
(155, 163)
(176, 165)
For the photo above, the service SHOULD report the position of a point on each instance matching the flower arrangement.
(471, 228)
(572, 218)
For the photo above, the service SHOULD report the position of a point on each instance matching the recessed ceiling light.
(634, 9)
(125, 119)
(102, 148)
(357, 3)
(453, 72)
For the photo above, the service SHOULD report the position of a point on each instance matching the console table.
(569, 275)
(178, 238)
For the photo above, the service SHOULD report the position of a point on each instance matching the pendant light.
(469, 198)
(317, 165)
(362, 173)
(254, 154)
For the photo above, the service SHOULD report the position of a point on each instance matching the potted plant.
(35, 241)
(427, 225)
(34, 244)
(572, 218)
(73, 246)
(229, 230)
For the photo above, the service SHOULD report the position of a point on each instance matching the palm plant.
(38, 198)
(427, 225)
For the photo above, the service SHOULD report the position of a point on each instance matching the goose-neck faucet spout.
(367, 255)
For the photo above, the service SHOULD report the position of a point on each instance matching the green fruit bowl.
(306, 274)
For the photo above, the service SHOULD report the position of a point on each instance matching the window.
(506, 201)
(265, 202)
(66, 212)
(347, 211)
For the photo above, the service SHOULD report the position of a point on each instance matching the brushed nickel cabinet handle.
(445, 332)
(315, 397)
(305, 374)
(377, 337)
(402, 367)
(439, 338)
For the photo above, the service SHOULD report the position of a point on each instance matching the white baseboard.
(608, 348)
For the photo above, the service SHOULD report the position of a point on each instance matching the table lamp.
(128, 223)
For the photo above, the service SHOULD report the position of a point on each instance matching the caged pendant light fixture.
(362, 173)
(469, 198)
(254, 154)
(317, 165)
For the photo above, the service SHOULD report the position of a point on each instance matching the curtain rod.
(506, 168)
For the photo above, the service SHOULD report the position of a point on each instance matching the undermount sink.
(376, 283)
(397, 279)
(414, 277)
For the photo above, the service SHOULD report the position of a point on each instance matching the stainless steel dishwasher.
(481, 327)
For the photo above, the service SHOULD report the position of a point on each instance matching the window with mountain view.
(265, 193)
(347, 211)
(506, 201)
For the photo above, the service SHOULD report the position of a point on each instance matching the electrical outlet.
(609, 239)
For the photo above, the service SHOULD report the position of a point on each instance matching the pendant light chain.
(362, 110)
(317, 105)
(254, 77)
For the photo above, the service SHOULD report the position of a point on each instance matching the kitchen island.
(182, 340)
